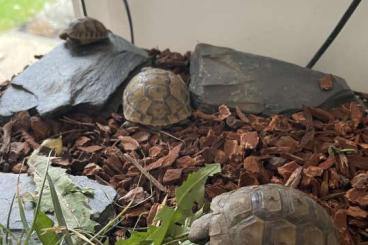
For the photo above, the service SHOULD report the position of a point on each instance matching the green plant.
(16, 12)
(174, 223)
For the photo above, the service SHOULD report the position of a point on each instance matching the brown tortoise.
(265, 215)
(83, 31)
(156, 97)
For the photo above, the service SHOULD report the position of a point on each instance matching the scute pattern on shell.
(266, 214)
(156, 97)
(84, 31)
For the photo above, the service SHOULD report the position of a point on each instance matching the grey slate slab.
(257, 84)
(86, 78)
(101, 203)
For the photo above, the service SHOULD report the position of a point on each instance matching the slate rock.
(257, 84)
(88, 78)
(100, 203)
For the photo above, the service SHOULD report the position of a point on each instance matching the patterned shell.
(267, 214)
(85, 31)
(156, 97)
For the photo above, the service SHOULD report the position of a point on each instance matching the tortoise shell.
(85, 31)
(156, 97)
(267, 214)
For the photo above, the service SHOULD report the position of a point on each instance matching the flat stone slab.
(101, 203)
(89, 78)
(257, 84)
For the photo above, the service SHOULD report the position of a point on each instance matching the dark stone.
(88, 78)
(101, 203)
(257, 84)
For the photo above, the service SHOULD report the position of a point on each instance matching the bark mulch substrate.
(323, 153)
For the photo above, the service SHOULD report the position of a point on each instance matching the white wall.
(290, 30)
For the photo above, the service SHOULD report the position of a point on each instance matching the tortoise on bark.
(156, 97)
(265, 215)
(83, 31)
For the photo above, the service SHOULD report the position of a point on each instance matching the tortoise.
(266, 214)
(156, 97)
(83, 31)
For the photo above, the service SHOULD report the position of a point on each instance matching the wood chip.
(356, 196)
(152, 213)
(91, 149)
(40, 128)
(287, 169)
(141, 136)
(137, 195)
(185, 162)
(313, 171)
(223, 113)
(231, 147)
(249, 140)
(128, 143)
(357, 212)
(7, 131)
(356, 114)
(167, 160)
(340, 219)
(327, 163)
(326, 82)
(246, 179)
(81, 141)
(172, 176)
(220, 156)
(19, 168)
(241, 115)
(360, 181)
(155, 150)
(295, 178)
(91, 169)
(252, 165)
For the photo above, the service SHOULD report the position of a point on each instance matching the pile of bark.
(323, 153)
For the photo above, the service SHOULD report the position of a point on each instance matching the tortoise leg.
(199, 230)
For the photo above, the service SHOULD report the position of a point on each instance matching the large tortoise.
(265, 215)
(83, 31)
(156, 97)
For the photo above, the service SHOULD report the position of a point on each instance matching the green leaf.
(73, 202)
(6, 232)
(8, 217)
(139, 237)
(44, 222)
(21, 207)
(38, 205)
(192, 190)
(167, 217)
(58, 211)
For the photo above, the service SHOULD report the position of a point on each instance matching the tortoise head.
(63, 35)
(199, 230)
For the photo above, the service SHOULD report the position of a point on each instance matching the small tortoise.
(84, 31)
(156, 97)
(265, 215)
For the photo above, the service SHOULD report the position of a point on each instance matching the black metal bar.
(127, 9)
(344, 19)
(84, 8)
